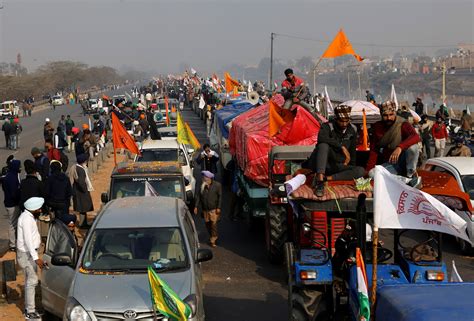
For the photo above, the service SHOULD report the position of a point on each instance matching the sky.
(160, 35)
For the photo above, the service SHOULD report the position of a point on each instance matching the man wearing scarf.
(334, 157)
(394, 144)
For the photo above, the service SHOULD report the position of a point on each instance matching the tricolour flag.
(399, 206)
(362, 288)
(340, 46)
(165, 300)
(149, 190)
(185, 134)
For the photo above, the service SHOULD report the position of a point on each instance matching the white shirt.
(28, 239)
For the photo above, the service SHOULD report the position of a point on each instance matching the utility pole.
(360, 89)
(272, 35)
(444, 83)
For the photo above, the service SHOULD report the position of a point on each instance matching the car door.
(56, 280)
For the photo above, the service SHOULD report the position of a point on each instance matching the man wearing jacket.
(440, 135)
(334, 157)
(209, 199)
(394, 145)
(11, 190)
(30, 186)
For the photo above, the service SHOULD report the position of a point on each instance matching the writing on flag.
(399, 206)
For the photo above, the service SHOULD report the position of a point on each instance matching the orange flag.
(277, 118)
(340, 46)
(230, 83)
(166, 111)
(365, 133)
(121, 137)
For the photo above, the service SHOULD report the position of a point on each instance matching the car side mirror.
(61, 259)
(104, 197)
(203, 255)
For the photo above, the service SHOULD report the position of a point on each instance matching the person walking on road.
(69, 123)
(209, 200)
(58, 191)
(48, 130)
(11, 192)
(440, 135)
(208, 159)
(7, 129)
(81, 188)
(28, 243)
(41, 163)
(16, 130)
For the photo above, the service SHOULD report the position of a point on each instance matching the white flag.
(399, 206)
(415, 115)
(467, 110)
(202, 103)
(455, 277)
(250, 88)
(327, 101)
(149, 190)
(393, 96)
(193, 71)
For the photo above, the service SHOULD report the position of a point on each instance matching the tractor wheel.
(289, 259)
(298, 314)
(276, 229)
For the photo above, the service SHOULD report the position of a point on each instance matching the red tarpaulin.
(250, 143)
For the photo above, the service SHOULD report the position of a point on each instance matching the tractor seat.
(424, 253)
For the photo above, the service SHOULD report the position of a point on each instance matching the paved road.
(32, 136)
(240, 284)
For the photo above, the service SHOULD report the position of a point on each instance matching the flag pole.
(314, 74)
(115, 157)
(373, 290)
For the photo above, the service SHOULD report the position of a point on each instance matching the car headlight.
(75, 311)
(191, 300)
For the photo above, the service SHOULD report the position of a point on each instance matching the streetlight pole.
(444, 82)
(272, 35)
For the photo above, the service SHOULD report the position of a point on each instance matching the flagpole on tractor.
(272, 36)
(314, 74)
(373, 294)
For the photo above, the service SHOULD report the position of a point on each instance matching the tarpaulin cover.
(250, 143)
(229, 112)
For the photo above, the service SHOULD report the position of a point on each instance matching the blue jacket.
(11, 184)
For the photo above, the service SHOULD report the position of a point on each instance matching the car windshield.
(162, 155)
(468, 183)
(168, 133)
(134, 249)
(135, 186)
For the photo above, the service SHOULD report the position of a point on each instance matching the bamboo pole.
(373, 296)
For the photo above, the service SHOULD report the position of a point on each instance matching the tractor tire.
(298, 314)
(276, 229)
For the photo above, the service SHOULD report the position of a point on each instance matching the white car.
(462, 169)
(169, 150)
(9, 108)
(57, 100)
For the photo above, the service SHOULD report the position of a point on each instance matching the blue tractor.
(412, 279)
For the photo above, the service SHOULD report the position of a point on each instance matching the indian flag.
(165, 300)
(362, 293)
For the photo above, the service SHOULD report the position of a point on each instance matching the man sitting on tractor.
(295, 91)
(334, 156)
(394, 144)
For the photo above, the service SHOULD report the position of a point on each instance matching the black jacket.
(30, 186)
(11, 184)
(211, 198)
(335, 138)
(58, 188)
(42, 167)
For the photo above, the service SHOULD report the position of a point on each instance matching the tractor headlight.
(308, 275)
(434, 275)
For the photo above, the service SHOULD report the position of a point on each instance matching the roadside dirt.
(13, 310)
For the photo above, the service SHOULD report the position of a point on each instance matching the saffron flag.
(365, 132)
(166, 111)
(340, 46)
(185, 134)
(362, 288)
(277, 118)
(121, 138)
(399, 206)
(230, 83)
(165, 300)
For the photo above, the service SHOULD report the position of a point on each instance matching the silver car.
(108, 280)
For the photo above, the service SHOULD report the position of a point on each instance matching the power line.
(366, 44)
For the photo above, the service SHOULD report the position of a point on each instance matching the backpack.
(64, 160)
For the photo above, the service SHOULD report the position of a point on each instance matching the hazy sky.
(161, 34)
